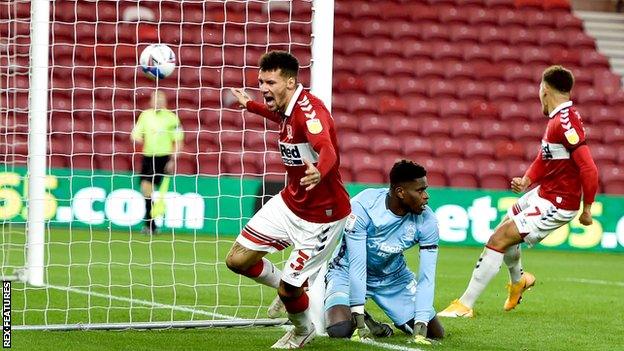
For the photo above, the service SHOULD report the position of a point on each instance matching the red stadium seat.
(417, 147)
(475, 149)
(376, 28)
(465, 128)
(604, 115)
(374, 124)
(387, 48)
(592, 58)
(519, 36)
(498, 91)
(499, 3)
(438, 88)
(519, 74)
(354, 142)
(367, 169)
(516, 168)
(405, 30)
(398, 67)
(453, 15)
(459, 70)
(493, 175)
(509, 150)
(534, 56)
(404, 126)
(345, 122)
(526, 132)
(460, 33)
(480, 16)
(409, 87)
(246, 163)
(434, 127)
(461, 173)
(503, 54)
(579, 40)
(385, 145)
(590, 96)
(436, 172)
(447, 51)
(471, 90)
(510, 17)
(392, 104)
(614, 136)
(604, 154)
(516, 111)
(418, 49)
(538, 19)
(379, 85)
(527, 92)
(208, 164)
(484, 110)
(476, 52)
(612, 177)
(428, 69)
(537, 4)
(493, 34)
(496, 131)
(434, 32)
(550, 5)
(446, 148)
(552, 39)
(421, 108)
(568, 21)
(453, 108)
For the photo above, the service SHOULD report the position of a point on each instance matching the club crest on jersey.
(314, 125)
(571, 136)
(289, 131)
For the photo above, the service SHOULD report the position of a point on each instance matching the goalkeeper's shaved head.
(282, 60)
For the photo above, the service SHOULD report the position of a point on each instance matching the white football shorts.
(275, 227)
(537, 217)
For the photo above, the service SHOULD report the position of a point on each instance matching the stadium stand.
(442, 82)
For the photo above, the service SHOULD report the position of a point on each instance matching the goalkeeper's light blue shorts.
(394, 294)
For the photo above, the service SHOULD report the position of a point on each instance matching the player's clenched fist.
(519, 185)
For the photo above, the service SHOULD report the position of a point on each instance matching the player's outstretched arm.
(312, 176)
(245, 101)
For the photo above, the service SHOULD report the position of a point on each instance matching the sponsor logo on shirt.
(293, 154)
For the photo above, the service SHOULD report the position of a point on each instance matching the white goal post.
(94, 275)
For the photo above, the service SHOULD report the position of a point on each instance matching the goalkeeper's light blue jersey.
(373, 246)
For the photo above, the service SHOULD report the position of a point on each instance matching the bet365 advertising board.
(222, 205)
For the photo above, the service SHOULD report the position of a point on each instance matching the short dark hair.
(559, 78)
(282, 60)
(405, 171)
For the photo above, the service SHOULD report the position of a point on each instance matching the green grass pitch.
(577, 303)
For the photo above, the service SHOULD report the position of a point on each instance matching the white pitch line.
(592, 281)
(390, 346)
(382, 345)
(140, 302)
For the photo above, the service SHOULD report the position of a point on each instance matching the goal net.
(99, 270)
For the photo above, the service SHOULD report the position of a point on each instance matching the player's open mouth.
(269, 100)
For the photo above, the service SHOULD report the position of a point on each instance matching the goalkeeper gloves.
(420, 335)
(361, 331)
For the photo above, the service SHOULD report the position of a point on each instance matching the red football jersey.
(554, 168)
(307, 132)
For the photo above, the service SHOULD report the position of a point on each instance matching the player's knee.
(287, 291)
(235, 263)
(504, 236)
(342, 329)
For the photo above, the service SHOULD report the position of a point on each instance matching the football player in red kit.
(563, 171)
(311, 211)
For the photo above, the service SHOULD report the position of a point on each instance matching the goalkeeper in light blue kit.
(383, 224)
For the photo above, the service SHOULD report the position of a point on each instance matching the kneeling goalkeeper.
(370, 263)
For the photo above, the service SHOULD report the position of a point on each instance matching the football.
(157, 61)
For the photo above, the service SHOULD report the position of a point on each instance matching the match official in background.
(160, 132)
